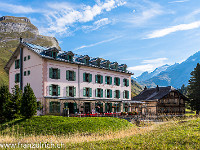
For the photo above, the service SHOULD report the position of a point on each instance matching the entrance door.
(71, 108)
(87, 107)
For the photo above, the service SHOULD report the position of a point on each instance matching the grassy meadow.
(103, 133)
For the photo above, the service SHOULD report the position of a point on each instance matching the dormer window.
(54, 54)
(69, 56)
(87, 61)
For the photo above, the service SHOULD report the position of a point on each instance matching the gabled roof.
(41, 51)
(153, 94)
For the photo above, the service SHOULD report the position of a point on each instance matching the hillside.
(175, 75)
(135, 88)
(11, 29)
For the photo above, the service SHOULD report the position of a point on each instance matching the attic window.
(87, 61)
(54, 55)
(70, 58)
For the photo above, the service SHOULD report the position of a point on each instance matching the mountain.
(175, 75)
(145, 75)
(135, 88)
(11, 29)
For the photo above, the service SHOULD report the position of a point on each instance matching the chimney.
(145, 87)
(157, 88)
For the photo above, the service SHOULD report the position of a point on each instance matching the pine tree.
(183, 90)
(5, 101)
(194, 89)
(16, 101)
(29, 102)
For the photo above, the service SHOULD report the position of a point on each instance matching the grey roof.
(152, 94)
(42, 52)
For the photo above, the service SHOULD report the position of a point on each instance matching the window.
(87, 92)
(126, 94)
(87, 77)
(87, 61)
(117, 93)
(29, 72)
(117, 81)
(24, 73)
(54, 107)
(54, 90)
(99, 79)
(99, 92)
(108, 80)
(71, 91)
(17, 64)
(54, 55)
(70, 58)
(70, 75)
(108, 93)
(126, 82)
(54, 73)
(24, 58)
(29, 57)
(17, 78)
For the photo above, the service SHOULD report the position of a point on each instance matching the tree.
(29, 102)
(5, 101)
(16, 101)
(194, 89)
(183, 90)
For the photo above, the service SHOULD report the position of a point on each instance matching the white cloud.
(149, 65)
(97, 24)
(61, 19)
(143, 13)
(11, 8)
(166, 31)
(181, 1)
(154, 61)
(94, 44)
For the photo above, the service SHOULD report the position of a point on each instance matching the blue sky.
(144, 34)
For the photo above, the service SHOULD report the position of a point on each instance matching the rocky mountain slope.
(11, 29)
(175, 75)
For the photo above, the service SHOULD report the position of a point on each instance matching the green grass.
(173, 135)
(58, 125)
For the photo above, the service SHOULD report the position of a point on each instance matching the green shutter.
(90, 92)
(105, 79)
(96, 92)
(65, 105)
(58, 90)
(58, 73)
(124, 81)
(128, 94)
(50, 90)
(75, 108)
(101, 109)
(84, 91)
(67, 91)
(58, 107)
(106, 107)
(115, 95)
(29, 57)
(110, 93)
(127, 82)
(24, 58)
(50, 107)
(50, 73)
(106, 93)
(123, 107)
(15, 77)
(96, 79)
(110, 80)
(74, 76)
(115, 80)
(84, 77)
(123, 94)
(119, 81)
(101, 92)
(101, 79)
(67, 75)
(119, 94)
(90, 77)
(74, 91)
(15, 64)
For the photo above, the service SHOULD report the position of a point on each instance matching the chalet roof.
(43, 52)
(152, 94)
